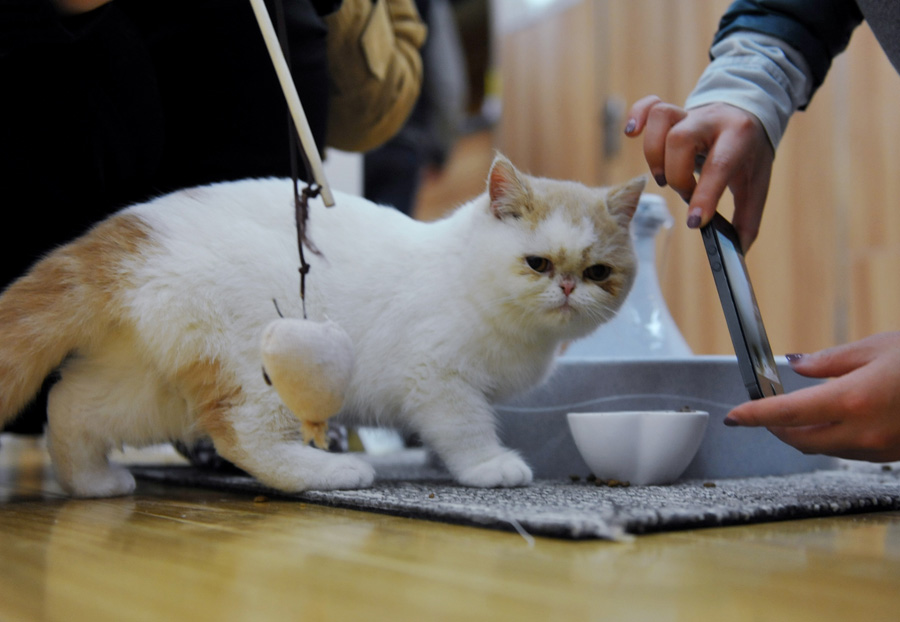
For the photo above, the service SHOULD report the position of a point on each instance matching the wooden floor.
(171, 553)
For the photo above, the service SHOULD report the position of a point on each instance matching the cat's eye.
(597, 273)
(538, 264)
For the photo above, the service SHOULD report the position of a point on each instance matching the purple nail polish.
(731, 423)
(629, 128)
(660, 180)
(693, 220)
(793, 358)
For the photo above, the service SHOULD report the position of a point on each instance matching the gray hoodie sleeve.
(757, 73)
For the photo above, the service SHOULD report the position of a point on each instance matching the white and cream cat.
(154, 318)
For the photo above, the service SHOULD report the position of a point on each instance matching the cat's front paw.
(343, 473)
(505, 470)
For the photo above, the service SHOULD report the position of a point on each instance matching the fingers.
(824, 403)
(673, 140)
(856, 415)
(718, 171)
(823, 439)
(829, 363)
(853, 435)
(656, 122)
(732, 142)
(807, 419)
(739, 157)
(637, 116)
(846, 358)
(804, 407)
(682, 147)
(747, 219)
(726, 168)
(843, 441)
(750, 184)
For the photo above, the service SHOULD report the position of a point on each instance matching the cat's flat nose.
(567, 285)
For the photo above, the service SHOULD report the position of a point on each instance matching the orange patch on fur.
(213, 392)
(106, 247)
(63, 303)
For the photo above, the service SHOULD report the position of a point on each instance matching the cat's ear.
(622, 200)
(507, 190)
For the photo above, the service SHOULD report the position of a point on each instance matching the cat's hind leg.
(79, 440)
(104, 400)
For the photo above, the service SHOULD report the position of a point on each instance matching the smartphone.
(754, 354)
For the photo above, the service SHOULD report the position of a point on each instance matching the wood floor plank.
(170, 553)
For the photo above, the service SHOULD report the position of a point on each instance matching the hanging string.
(312, 189)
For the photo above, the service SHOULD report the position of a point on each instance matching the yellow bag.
(376, 71)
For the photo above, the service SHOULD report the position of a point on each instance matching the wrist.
(758, 74)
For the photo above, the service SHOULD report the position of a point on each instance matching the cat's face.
(563, 254)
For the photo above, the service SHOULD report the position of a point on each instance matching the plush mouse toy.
(309, 364)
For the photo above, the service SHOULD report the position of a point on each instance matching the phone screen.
(748, 334)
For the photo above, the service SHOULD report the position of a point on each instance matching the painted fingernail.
(731, 423)
(793, 358)
(660, 180)
(629, 128)
(694, 215)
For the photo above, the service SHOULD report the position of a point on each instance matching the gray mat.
(582, 509)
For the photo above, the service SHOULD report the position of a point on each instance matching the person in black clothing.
(105, 104)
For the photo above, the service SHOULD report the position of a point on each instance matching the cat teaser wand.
(293, 99)
(308, 363)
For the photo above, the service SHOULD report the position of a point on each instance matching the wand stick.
(293, 99)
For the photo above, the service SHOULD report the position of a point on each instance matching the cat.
(153, 320)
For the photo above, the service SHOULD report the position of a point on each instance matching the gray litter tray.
(536, 426)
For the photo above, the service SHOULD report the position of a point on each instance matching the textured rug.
(583, 508)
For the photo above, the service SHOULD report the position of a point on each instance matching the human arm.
(375, 71)
(856, 415)
(818, 29)
(765, 80)
(732, 123)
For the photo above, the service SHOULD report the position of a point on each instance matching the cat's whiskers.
(599, 314)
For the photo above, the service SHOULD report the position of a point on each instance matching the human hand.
(737, 152)
(856, 415)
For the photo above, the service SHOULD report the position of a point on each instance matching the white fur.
(441, 318)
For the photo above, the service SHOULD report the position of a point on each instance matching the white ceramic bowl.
(640, 447)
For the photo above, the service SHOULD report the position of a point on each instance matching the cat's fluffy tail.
(63, 304)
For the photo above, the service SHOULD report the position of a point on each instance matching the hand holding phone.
(748, 334)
